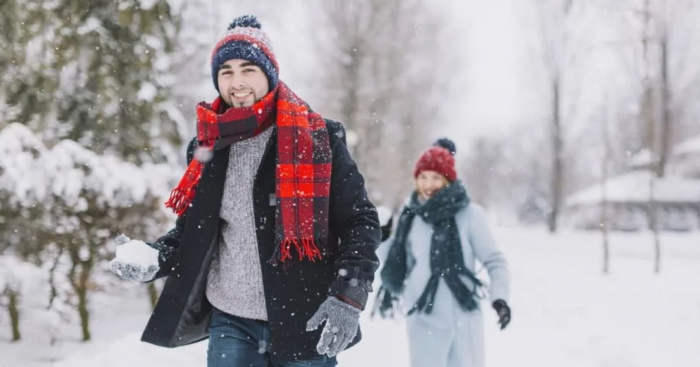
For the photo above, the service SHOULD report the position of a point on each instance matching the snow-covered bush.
(69, 202)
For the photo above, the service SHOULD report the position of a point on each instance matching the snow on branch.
(30, 173)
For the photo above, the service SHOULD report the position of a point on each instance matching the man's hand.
(503, 312)
(342, 322)
(135, 260)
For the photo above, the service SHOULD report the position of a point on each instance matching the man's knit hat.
(244, 40)
(439, 158)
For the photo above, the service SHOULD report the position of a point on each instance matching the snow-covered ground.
(565, 313)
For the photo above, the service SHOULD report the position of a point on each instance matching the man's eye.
(248, 70)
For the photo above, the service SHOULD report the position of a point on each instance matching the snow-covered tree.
(94, 72)
(76, 202)
(555, 47)
(382, 79)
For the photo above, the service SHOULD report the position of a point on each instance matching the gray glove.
(135, 260)
(342, 322)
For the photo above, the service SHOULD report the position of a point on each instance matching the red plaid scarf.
(303, 173)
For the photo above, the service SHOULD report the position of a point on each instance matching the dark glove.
(342, 322)
(503, 312)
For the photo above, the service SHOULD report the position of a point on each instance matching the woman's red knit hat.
(439, 158)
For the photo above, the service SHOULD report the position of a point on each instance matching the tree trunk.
(650, 105)
(83, 268)
(557, 181)
(606, 240)
(666, 123)
(83, 309)
(654, 221)
(13, 310)
(53, 294)
(351, 76)
(604, 216)
(657, 251)
(152, 294)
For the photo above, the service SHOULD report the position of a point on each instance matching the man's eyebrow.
(225, 66)
(247, 63)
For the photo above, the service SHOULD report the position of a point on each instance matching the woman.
(431, 263)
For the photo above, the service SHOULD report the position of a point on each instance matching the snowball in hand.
(135, 261)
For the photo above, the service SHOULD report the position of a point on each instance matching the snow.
(176, 4)
(690, 146)
(565, 313)
(137, 253)
(30, 282)
(21, 172)
(641, 159)
(92, 24)
(163, 63)
(147, 4)
(119, 183)
(384, 214)
(32, 172)
(113, 316)
(687, 147)
(19, 275)
(147, 92)
(634, 187)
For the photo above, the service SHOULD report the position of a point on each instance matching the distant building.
(684, 159)
(677, 195)
(627, 198)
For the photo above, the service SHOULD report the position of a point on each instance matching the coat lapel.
(199, 239)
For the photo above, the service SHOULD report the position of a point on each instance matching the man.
(275, 235)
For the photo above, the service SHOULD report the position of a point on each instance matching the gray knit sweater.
(235, 278)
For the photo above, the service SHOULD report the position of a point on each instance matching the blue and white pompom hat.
(245, 40)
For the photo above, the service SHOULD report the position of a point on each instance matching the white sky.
(496, 40)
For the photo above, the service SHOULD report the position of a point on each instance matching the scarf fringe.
(467, 300)
(427, 299)
(182, 196)
(305, 248)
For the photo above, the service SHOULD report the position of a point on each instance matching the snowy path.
(565, 313)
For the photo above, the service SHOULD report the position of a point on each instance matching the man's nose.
(237, 80)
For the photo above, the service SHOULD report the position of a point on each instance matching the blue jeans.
(239, 342)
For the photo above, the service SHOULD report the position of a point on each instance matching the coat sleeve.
(385, 248)
(167, 244)
(354, 219)
(488, 253)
